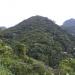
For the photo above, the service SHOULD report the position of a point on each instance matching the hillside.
(39, 39)
(69, 26)
(12, 64)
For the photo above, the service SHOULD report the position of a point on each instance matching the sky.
(14, 11)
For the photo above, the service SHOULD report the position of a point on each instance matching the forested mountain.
(69, 26)
(38, 47)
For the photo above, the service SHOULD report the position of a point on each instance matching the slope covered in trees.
(38, 47)
(12, 64)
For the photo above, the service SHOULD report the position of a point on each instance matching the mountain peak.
(35, 22)
(38, 18)
(72, 19)
(70, 22)
(69, 26)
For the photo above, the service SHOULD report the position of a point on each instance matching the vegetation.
(36, 46)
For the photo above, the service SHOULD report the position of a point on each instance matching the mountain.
(2, 28)
(69, 26)
(39, 40)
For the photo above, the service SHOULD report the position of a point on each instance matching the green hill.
(39, 44)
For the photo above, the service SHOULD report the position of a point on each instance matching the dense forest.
(36, 46)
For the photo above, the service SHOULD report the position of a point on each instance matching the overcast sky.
(14, 11)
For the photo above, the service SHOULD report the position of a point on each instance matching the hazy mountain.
(70, 22)
(69, 26)
(2, 28)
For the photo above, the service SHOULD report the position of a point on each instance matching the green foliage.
(67, 66)
(5, 50)
(4, 71)
(34, 46)
(12, 64)
(21, 50)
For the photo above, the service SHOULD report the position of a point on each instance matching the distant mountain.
(2, 28)
(69, 26)
(70, 22)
